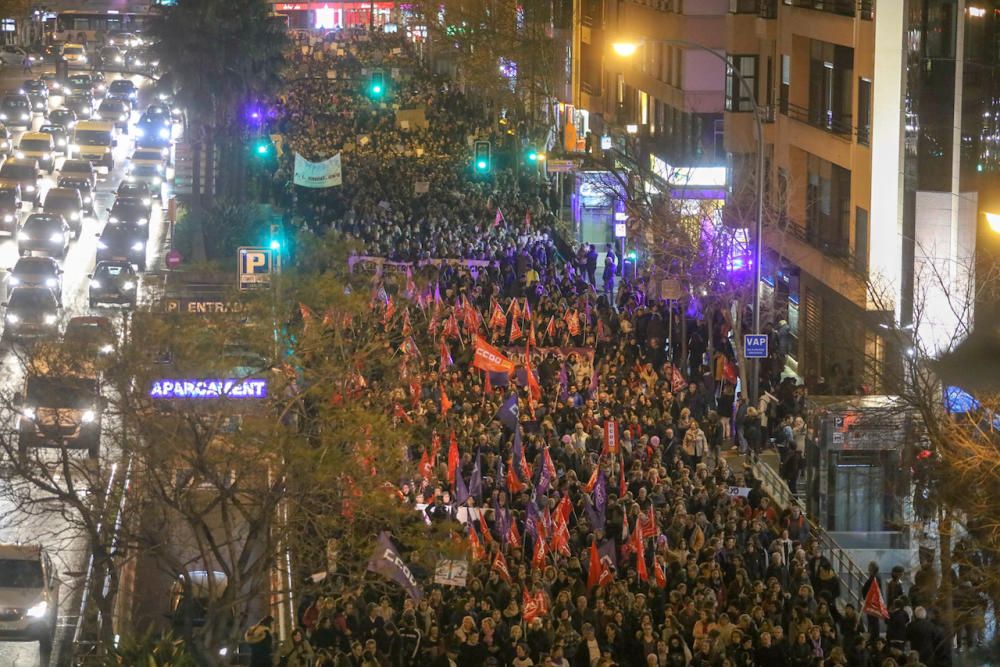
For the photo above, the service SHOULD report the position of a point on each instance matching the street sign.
(254, 267)
(561, 166)
(173, 259)
(755, 346)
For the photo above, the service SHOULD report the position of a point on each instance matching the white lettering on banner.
(739, 491)
(486, 354)
(209, 389)
(325, 174)
(394, 558)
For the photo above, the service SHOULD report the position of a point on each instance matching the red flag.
(625, 537)
(564, 509)
(640, 555)
(622, 488)
(527, 218)
(600, 329)
(488, 358)
(560, 539)
(500, 567)
(390, 310)
(529, 606)
(407, 329)
(658, 575)
(446, 403)
(534, 391)
(515, 309)
(450, 327)
(435, 447)
(648, 522)
(499, 218)
(549, 465)
(525, 468)
(483, 526)
(452, 459)
(874, 603)
(515, 331)
(514, 484)
(532, 341)
(513, 537)
(497, 320)
(550, 328)
(611, 442)
(425, 465)
(478, 552)
(487, 385)
(589, 486)
(594, 571)
(538, 558)
(573, 322)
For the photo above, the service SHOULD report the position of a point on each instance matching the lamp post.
(625, 49)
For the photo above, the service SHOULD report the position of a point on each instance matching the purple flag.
(595, 380)
(502, 520)
(563, 383)
(387, 562)
(601, 497)
(531, 519)
(518, 454)
(499, 379)
(544, 478)
(508, 414)
(461, 491)
(592, 518)
(607, 553)
(476, 480)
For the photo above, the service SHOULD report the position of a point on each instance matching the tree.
(219, 57)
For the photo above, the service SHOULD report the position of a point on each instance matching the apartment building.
(871, 216)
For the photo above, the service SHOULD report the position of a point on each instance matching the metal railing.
(823, 119)
(840, 252)
(852, 577)
(838, 7)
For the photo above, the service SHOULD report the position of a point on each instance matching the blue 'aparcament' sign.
(249, 388)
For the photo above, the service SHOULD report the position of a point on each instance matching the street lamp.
(993, 220)
(627, 49)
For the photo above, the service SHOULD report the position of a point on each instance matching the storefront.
(337, 15)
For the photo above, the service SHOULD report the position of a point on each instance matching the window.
(864, 111)
(786, 81)
(861, 241)
(738, 95)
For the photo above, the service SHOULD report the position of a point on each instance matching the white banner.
(325, 174)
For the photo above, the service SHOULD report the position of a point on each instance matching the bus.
(88, 27)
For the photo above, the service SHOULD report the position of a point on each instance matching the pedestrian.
(261, 642)
(296, 651)
(791, 468)
(872, 620)
(26, 64)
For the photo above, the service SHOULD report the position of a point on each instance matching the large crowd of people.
(609, 515)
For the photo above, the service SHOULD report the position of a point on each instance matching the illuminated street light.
(993, 220)
(625, 49)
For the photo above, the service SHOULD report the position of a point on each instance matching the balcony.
(834, 265)
(768, 9)
(823, 119)
(838, 7)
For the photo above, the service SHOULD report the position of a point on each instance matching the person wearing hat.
(261, 642)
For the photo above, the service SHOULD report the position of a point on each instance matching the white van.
(29, 595)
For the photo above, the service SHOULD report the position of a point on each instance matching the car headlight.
(118, 59)
(13, 319)
(164, 133)
(56, 238)
(4, 144)
(14, 281)
(29, 188)
(19, 154)
(61, 142)
(51, 282)
(3, 116)
(165, 152)
(26, 413)
(46, 156)
(122, 117)
(50, 319)
(157, 180)
(8, 218)
(102, 245)
(130, 178)
(113, 220)
(137, 246)
(147, 201)
(128, 285)
(74, 216)
(85, 109)
(74, 147)
(24, 116)
(159, 168)
(38, 610)
(89, 416)
(96, 284)
(83, 59)
(23, 236)
(138, 63)
(142, 221)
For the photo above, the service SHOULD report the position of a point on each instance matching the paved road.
(68, 550)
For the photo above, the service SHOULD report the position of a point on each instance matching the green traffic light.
(533, 156)
(377, 89)
(481, 165)
(275, 244)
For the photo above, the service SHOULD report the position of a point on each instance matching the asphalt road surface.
(67, 549)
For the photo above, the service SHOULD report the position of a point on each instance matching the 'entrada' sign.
(209, 389)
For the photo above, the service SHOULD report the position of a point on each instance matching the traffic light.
(482, 159)
(534, 157)
(376, 87)
(262, 147)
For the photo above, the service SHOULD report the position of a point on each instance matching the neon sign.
(249, 388)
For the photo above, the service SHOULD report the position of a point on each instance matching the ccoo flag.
(387, 562)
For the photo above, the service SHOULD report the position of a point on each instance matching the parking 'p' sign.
(254, 266)
(755, 346)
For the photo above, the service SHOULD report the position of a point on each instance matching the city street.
(68, 550)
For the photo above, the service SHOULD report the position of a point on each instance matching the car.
(15, 109)
(23, 173)
(6, 145)
(60, 136)
(44, 232)
(15, 55)
(111, 57)
(114, 110)
(81, 105)
(52, 52)
(138, 60)
(80, 83)
(79, 169)
(114, 281)
(152, 131)
(123, 89)
(124, 40)
(151, 174)
(29, 595)
(94, 336)
(81, 185)
(68, 203)
(10, 208)
(36, 272)
(132, 212)
(65, 117)
(157, 111)
(38, 94)
(31, 312)
(75, 54)
(152, 157)
(37, 146)
(122, 242)
(136, 189)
